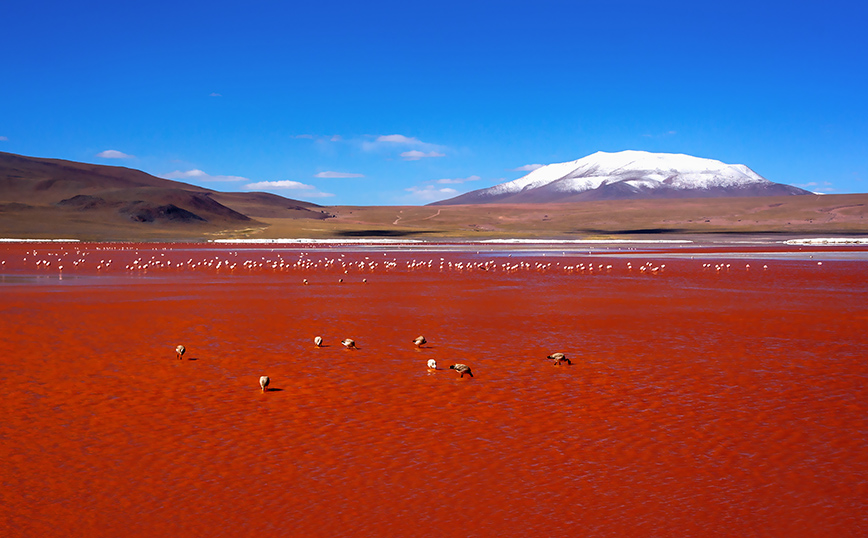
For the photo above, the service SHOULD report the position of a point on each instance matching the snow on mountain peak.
(629, 175)
(651, 170)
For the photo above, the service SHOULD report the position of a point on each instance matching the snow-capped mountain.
(629, 175)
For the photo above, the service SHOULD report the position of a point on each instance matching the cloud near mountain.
(200, 175)
(114, 154)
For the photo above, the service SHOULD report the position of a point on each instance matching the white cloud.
(434, 192)
(399, 139)
(818, 188)
(308, 191)
(430, 193)
(304, 136)
(4, 139)
(114, 154)
(416, 149)
(214, 94)
(528, 168)
(336, 175)
(285, 184)
(415, 155)
(458, 180)
(177, 174)
(336, 138)
(201, 176)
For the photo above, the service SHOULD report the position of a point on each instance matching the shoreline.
(759, 240)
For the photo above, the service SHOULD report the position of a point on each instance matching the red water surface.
(703, 400)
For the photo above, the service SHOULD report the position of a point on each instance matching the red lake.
(715, 391)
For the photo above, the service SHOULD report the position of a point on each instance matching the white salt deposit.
(11, 240)
(829, 241)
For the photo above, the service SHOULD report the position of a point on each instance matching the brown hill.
(71, 199)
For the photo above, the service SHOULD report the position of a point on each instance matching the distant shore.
(767, 219)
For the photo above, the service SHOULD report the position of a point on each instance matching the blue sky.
(387, 103)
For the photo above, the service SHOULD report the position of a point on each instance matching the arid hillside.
(56, 198)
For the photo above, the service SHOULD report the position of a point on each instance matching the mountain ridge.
(628, 175)
(72, 192)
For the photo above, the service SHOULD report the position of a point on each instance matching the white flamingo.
(263, 382)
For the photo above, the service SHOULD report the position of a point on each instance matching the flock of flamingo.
(250, 261)
(556, 358)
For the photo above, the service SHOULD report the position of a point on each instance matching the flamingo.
(180, 351)
(317, 341)
(432, 364)
(462, 369)
(263, 382)
(349, 343)
(420, 341)
(559, 358)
